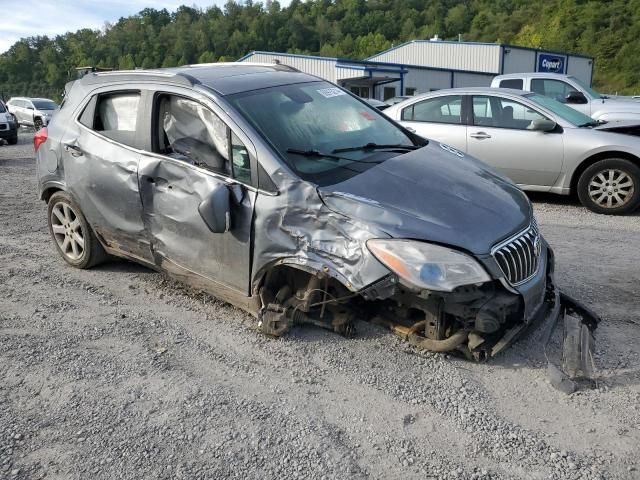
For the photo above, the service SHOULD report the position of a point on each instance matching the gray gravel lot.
(118, 372)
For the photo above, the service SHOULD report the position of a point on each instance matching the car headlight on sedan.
(426, 265)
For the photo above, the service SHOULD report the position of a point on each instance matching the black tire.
(37, 124)
(13, 140)
(610, 186)
(66, 229)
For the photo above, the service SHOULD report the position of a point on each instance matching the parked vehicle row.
(300, 203)
(33, 112)
(537, 142)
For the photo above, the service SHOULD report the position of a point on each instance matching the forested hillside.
(609, 30)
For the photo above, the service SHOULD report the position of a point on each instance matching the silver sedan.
(541, 144)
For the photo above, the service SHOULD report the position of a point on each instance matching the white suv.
(34, 112)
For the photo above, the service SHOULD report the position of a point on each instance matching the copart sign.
(552, 63)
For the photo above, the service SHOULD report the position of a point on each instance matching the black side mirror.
(576, 97)
(29, 108)
(216, 210)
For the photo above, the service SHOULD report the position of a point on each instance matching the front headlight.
(428, 266)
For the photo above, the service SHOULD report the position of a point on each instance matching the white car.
(541, 144)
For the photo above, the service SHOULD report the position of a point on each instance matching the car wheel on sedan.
(72, 235)
(37, 124)
(610, 186)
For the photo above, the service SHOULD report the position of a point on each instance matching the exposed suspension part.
(305, 299)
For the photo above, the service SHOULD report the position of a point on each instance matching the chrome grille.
(518, 256)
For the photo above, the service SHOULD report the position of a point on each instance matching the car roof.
(31, 98)
(458, 91)
(471, 90)
(224, 78)
(532, 75)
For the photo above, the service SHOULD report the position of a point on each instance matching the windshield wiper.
(589, 124)
(375, 146)
(318, 154)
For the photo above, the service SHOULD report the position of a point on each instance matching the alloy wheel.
(611, 188)
(67, 231)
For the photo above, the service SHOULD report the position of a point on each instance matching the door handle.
(74, 150)
(480, 135)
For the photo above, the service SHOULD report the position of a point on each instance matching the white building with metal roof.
(421, 66)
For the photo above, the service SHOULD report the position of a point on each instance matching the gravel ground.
(118, 372)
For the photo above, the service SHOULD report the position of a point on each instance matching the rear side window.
(446, 109)
(114, 115)
(515, 83)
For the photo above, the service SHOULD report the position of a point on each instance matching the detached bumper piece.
(578, 344)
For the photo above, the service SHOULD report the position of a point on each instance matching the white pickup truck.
(573, 93)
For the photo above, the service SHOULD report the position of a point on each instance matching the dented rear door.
(100, 160)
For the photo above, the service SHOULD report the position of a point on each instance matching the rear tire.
(13, 140)
(73, 237)
(37, 124)
(610, 186)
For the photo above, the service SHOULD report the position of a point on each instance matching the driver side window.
(501, 112)
(189, 131)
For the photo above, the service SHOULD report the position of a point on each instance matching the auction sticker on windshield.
(331, 92)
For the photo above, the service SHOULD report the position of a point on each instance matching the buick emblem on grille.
(518, 256)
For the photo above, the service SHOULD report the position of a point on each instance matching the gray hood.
(433, 195)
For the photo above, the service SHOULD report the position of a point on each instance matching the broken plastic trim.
(578, 344)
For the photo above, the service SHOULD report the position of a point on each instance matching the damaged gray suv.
(299, 203)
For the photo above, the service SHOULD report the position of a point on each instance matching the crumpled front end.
(478, 320)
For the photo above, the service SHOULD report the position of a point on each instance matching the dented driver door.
(196, 153)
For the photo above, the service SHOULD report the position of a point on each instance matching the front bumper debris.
(574, 368)
(478, 322)
(578, 344)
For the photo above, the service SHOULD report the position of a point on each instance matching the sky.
(27, 18)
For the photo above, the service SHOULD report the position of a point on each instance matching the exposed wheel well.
(47, 193)
(595, 158)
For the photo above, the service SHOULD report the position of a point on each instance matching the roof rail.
(276, 65)
(135, 75)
